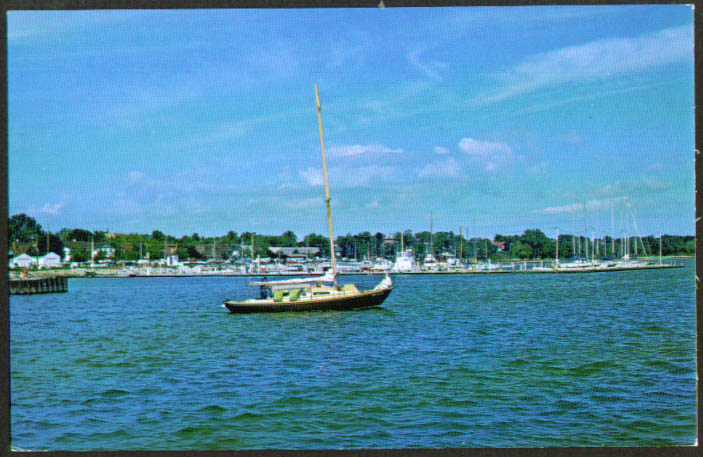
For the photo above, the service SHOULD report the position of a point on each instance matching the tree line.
(25, 234)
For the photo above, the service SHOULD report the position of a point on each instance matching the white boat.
(429, 263)
(405, 262)
(382, 265)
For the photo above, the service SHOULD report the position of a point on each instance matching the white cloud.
(655, 183)
(610, 189)
(441, 169)
(430, 68)
(590, 205)
(478, 148)
(597, 59)
(573, 208)
(539, 168)
(360, 176)
(135, 176)
(358, 149)
(307, 203)
(373, 204)
(488, 155)
(312, 176)
(52, 209)
(441, 150)
(347, 176)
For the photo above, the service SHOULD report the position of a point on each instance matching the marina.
(351, 268)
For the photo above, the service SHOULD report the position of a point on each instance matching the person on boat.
(263, 290)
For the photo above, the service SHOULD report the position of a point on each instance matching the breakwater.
(38, 286)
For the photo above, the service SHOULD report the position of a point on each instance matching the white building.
(172, 261)
(66, 254)
(108, 250)
(22, 261)
(50, 260)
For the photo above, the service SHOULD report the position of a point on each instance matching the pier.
(38, 286)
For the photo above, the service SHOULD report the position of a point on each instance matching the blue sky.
(494, 119)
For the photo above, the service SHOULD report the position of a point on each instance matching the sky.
(488, 120)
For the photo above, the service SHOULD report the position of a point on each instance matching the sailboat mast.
(327, 189)
(431, 233)
(612, 226)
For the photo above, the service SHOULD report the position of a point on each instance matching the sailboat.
(318, 293)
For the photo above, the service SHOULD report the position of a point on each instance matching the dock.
(38, 286)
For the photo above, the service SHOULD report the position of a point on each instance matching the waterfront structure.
(23, 261)
(50, 260)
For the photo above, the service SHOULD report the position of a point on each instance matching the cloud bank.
(597, 59)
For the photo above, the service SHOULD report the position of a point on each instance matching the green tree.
(521, 250)
(23, 229)
(50, 243)
(77, 235)
(289, 239)
(80, 255)
(130, 255)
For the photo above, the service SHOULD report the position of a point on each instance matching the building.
(172, 260)
(106, 249)
(500, 245)
(295, 252)
(50, 260)
(23, 261)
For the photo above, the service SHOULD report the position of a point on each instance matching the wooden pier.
(38, 286)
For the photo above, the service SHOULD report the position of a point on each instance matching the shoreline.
(162, 272)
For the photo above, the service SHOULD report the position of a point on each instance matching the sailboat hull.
(356, 301)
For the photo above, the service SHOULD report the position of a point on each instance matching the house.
(501, 245)
(67, 254)
(50, 260)
(172, 260)
(106, 249)
(22, 261)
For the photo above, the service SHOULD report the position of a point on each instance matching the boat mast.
(327, 189)
(431, 233)
(612, 226)
(461, 245)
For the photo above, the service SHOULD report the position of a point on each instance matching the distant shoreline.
(160, 272)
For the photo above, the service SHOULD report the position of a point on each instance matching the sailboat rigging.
(310, 294)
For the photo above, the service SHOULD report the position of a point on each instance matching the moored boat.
(311, 294)
(316, 293)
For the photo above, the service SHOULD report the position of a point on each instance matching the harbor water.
(511, 360)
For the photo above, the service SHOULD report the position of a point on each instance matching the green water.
(601, 359)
